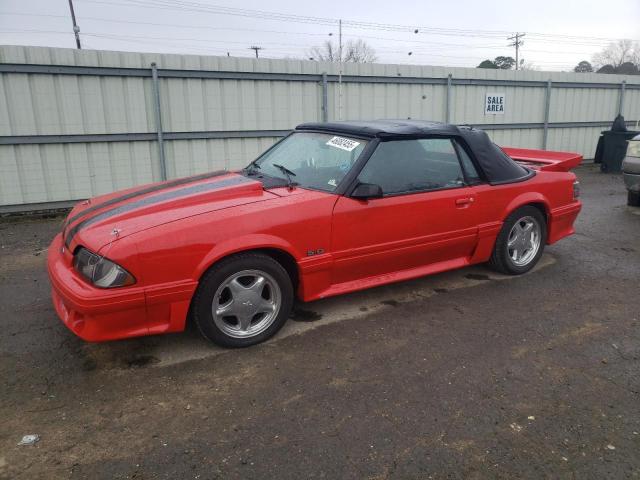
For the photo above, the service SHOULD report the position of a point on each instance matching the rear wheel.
(520, 243)
(243, 300)
(633, 199)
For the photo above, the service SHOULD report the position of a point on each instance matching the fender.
(242, 244)
(524, 199)
(172, 316)
(488, 233)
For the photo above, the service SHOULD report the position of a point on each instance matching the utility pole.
(256, 49)
(517, 42)
(339, 69)
(76, 28)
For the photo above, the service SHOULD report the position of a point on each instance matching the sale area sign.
(494, 104)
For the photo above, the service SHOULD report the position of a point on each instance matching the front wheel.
(520, 243)
(633, 199)
(243, 300)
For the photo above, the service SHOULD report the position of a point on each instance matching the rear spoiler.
(544, 159)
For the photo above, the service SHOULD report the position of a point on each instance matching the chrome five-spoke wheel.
(246, 303)
(521, 241)
(524, 241)
(243, 299)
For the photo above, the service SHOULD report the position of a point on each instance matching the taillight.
(576, 189)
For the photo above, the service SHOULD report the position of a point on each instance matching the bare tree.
(354, 51)
(524, 65)
(326, 53)
(359, 51)
(617, 53)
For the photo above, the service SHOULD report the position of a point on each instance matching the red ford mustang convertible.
(331, 208)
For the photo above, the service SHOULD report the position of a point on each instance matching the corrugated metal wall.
(34, 169)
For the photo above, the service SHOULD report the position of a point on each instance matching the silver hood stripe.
(138, 193)
(163, 197)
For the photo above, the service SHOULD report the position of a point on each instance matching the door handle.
(461, 202)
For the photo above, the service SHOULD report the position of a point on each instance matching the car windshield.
(313, 160)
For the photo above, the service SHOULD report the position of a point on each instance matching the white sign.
(343, 143)
(494, 104)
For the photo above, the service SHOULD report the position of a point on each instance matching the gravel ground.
(467, 374)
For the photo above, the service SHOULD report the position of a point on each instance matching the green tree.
(583, 67)
(487, 64)
(502, 63)
(607, 69)
(628, 68)
(505, 63)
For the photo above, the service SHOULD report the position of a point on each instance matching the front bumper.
(631, 181)
(631, 173)
(94, 314)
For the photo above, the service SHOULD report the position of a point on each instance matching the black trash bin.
(612, 146)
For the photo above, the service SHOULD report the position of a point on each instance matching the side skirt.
(363, 284)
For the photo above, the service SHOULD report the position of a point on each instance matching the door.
(426, 214)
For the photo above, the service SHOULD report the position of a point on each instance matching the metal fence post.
(325, 98)
(621, 99)
(448, 111)
(158, 117)
(547, 104)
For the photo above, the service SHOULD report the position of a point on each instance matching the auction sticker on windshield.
(343, 143)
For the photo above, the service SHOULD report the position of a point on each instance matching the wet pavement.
(467, 374)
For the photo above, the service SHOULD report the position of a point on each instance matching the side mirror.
(366, 191)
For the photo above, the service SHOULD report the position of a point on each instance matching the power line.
(452, 60)
(190, 6)
(281, 32)
(268, 15)
(286, 51)
(145, 40)
(274, 45)
(35, 31)
(597, 41)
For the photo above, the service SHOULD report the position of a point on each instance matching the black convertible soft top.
(496, 165)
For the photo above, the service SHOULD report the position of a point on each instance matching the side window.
(404, 166)
(469, 167)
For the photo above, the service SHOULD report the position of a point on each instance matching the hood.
(94, 223)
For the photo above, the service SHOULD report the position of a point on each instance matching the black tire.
(203, 299)
(500, 260)
(633, 199)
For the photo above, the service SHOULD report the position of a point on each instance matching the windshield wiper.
(287, 172)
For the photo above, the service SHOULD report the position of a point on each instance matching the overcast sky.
(461, 33)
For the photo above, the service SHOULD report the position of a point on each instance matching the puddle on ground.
(301, 315)
(477, 276)
(140, 361)
(391, 303)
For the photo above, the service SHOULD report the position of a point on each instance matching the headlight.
(633, 149)
(99, 271)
